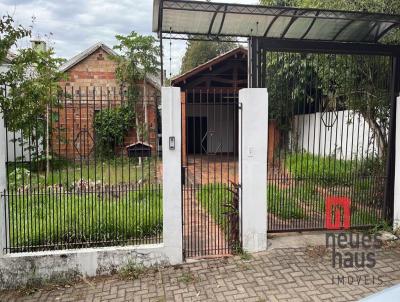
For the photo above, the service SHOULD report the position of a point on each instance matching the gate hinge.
(240, 106)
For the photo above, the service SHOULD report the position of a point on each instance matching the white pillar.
(396, 207)
(253, 171)
(172, 180)
(3, 185)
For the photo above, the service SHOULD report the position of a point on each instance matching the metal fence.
(328, 136)
(85, 172)
(210, 191)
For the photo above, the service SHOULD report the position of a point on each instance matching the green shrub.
(111, 126)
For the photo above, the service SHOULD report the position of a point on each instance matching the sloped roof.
(84, 54)
(153, 79)
(208, 64)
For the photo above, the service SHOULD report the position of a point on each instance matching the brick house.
(91, 86)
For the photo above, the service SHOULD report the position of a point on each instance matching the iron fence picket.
(63, 191)
(337, 157)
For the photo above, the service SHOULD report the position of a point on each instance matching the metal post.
(253, 63)
(161, 59)
(249, 75)
(394, 92)
(3, 186)
(396, 197)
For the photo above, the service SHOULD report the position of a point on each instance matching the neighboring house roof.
(84, 54)
(208, 64)
(153, 79)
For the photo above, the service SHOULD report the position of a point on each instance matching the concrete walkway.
(304, 273)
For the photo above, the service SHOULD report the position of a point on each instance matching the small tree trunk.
(380, 135)
(137, 129)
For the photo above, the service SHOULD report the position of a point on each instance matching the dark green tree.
(139, 57)
(199, 52)
(357, 82)
(29, 87)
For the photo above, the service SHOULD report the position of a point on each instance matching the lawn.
(63, 219)
(66, 173)
(215, 199)
(313, 178)
(323, 170)
(290, 202)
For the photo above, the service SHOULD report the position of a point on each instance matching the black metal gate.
(329, 136)
(210, 191)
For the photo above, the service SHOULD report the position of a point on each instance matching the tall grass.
(214, 199)
(288, 203)
(63, 219)
(65, 174)
(325, 170)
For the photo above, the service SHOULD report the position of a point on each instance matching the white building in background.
(15, 151)
(344, 134)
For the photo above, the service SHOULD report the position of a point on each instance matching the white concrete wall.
(172, 173)
(396, 208)
(221, 121)
(350, 136)
(253, 171)
(23, 268)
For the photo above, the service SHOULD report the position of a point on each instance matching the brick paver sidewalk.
(278, 275)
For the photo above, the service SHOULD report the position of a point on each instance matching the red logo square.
(333, 211)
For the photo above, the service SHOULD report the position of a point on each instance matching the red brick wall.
(91, 85)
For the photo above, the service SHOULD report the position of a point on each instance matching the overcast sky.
(74, 25)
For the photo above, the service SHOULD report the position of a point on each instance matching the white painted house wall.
(350, 136)
(220, 125)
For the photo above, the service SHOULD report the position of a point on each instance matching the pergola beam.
(311, 46)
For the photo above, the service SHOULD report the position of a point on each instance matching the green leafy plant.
(18, 175)
(111, 126)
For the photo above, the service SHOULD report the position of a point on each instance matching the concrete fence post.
(172, 180)
(3, 186)
(396, 206)
(253, 170)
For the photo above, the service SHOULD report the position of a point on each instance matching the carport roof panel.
(210, 19)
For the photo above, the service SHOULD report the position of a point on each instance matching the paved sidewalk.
(281, 274)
